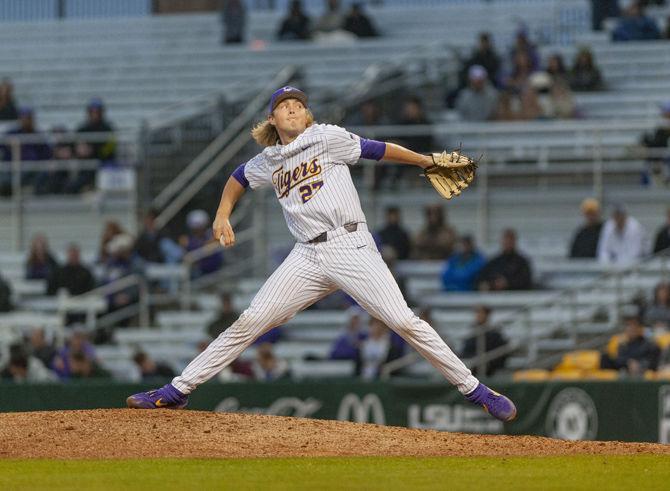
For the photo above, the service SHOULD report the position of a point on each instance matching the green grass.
(576, 472)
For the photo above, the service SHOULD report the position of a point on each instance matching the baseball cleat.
(497, 405)
(167, 397)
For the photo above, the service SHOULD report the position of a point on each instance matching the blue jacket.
(460, 273)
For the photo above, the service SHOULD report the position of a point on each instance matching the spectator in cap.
(585, 240)
(437, 239)
(295, 25)
(585, 75)
(622, 239)
(103, 150)
(199, 236)
(478, 101)
(662, 241)
(8, 110)
(636, 353)
(634, 25)
(462, 268)
(658, 145)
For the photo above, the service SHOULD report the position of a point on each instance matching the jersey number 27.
(308, 191)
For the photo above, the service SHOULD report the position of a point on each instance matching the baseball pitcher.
(307, 165)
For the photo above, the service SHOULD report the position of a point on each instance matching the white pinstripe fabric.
(347, 261)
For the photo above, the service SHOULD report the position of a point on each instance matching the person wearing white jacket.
(622, 239)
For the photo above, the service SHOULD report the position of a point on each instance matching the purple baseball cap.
(287, 92)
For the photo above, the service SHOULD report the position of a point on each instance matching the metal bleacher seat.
(303, 369)
(179, 319)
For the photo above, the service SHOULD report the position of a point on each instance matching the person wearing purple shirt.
(347, 344)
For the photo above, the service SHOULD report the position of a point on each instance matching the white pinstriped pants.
(347, 261)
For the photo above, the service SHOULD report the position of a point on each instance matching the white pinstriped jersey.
(311, 179)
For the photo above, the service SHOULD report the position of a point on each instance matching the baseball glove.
(451, 172)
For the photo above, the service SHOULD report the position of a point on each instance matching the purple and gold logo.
(285, 180)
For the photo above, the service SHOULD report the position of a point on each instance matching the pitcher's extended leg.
(296, 284)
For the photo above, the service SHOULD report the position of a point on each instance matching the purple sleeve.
(372, 149)
(239, 176)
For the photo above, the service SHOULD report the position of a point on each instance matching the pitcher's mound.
(125, 433)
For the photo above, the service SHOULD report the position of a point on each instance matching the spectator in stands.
(369, 113)
(104, 151)
(41, 263)
(636, 353)
(394, 235)
(347, 345)
(634, 25)
(150, 369)
(40, 347)
(556, 67)
(83, 367)
(657, 315)
(413, 113)
(437, 239)
(658, 143)
(78, 344)
(227, 316)
(463, 268)
(483, 55)
(58, 180)
(585, 74)
(379, 348)
(267, 366)
(148, 245)
(358, 23)
(662, 241)
(553, 97)
(622, 240)
(199, 236)
(484, 339)
(295, 25)
(585, 241)
(8, 110)
(507, 271)
(233, 21)
(23, 367)
(601, 10)
(112, 229)
(522, 69)
(331, 20)
(478, 101)
(5, 296)
(523, 45)
(74, 277)
(119, 264)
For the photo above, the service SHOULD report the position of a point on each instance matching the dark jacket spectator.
(30, 151)
(437, 239)
(227, 316)
(5, 296)
(148, 243)
(585, 241)
(478, 101)
(233, 19)
(556, 68)
(295, 25)
(8, 110)
(662, 241)
(483, 55)
(150, 369)
(523, 45)
(463, 268)
(585, 75)
(413, 113)
(635, 26)
(41, 263)
(636, 353)
(507, 271)
(73, 276)
(394, 235)
(96, 123)
(657, 315)
(658, 143)
(358, 23)
(40, 347)
(491, 340)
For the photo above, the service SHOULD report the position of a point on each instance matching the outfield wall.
(626, 411)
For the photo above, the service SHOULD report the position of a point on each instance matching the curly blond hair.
(266, 135)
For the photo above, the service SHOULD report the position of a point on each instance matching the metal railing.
(567, 300)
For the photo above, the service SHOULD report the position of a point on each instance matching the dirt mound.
(124, 433)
